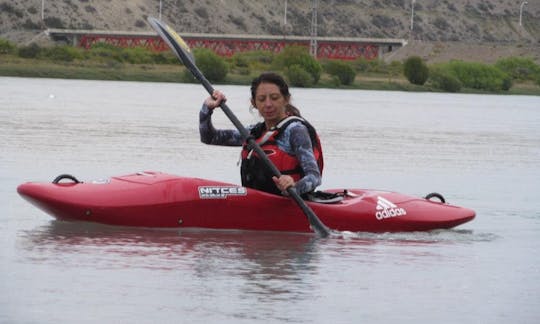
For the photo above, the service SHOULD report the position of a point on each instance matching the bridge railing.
(227, 45)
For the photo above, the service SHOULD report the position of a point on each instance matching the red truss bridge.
(344, 48)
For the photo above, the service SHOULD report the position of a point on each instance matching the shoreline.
(88, 70)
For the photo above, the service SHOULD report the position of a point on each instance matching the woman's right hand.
(215, 100)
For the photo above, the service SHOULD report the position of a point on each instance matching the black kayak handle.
(65, 176)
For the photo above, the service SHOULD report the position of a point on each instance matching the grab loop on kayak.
(65, 176)
(435, 195)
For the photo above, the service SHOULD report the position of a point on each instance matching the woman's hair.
(292, 110)
(270, 77)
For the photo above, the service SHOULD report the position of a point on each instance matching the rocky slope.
(493, 24)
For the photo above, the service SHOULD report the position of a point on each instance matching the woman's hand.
(215, 100)
(283, 182)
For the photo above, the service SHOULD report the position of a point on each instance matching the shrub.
(298, 55)
(164, 58)
(53, 22)
(102, 51)
(62, 53)
(211, 65)
(298, 76)
(30, 51)
(506, 83)
(7, 47)
(395, 68)
(6, 7)
(201, 12)
(479, 76)
(519, 68)
(415, 70)
(240, 61)
(361, 64)
(140, 24)
(188, 77)
(239, 64)
(136, 55)
(256, 60)
(342, 71)
(29, 24)
(444, 80)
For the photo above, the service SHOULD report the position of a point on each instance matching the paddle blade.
(175, 42)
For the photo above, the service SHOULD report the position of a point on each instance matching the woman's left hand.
(283, 182)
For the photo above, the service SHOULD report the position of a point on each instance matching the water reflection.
(256, 256)
(272, 265)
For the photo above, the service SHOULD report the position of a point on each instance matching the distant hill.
(460, 21)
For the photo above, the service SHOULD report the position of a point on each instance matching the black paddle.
(183, 52)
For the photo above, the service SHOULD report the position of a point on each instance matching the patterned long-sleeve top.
(295, 141)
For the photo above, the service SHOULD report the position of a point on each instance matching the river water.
(480, 151)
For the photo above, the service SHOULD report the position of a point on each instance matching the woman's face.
(270, 103)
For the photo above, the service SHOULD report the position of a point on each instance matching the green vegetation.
(6, 47)
(415, 70)
(343, 72)
(296, 61)
(211, 65)
(510, 75)
(478, 75)
(519, 68)
(442, 79)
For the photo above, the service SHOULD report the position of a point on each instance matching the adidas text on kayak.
(387, 209)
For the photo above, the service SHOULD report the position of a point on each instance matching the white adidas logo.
(386, 209)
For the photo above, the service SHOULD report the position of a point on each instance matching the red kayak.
(154, 199)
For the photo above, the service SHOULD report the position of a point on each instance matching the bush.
(62, 53)
(6, 7)
(256, 60)
(444, 80)
(395, 68)
(298, 77)
(415, 70)
(342, 71)
(298, 55)
(187, 77)
(104, 51)
(479, 76)
(7, 47)
(137, 55)
(54, 22)
(506, 83)
(519, 68)
(30, 51)
(362, 64)
(211, 65)
(164, 58)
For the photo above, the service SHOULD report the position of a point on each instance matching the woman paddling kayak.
(289, 141)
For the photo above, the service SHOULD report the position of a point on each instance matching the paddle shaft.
(189, 63)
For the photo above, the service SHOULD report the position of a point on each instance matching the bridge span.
(344, 48)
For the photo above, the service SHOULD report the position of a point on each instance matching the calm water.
(482, 152)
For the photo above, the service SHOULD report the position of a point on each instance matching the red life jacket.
(255, 174)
